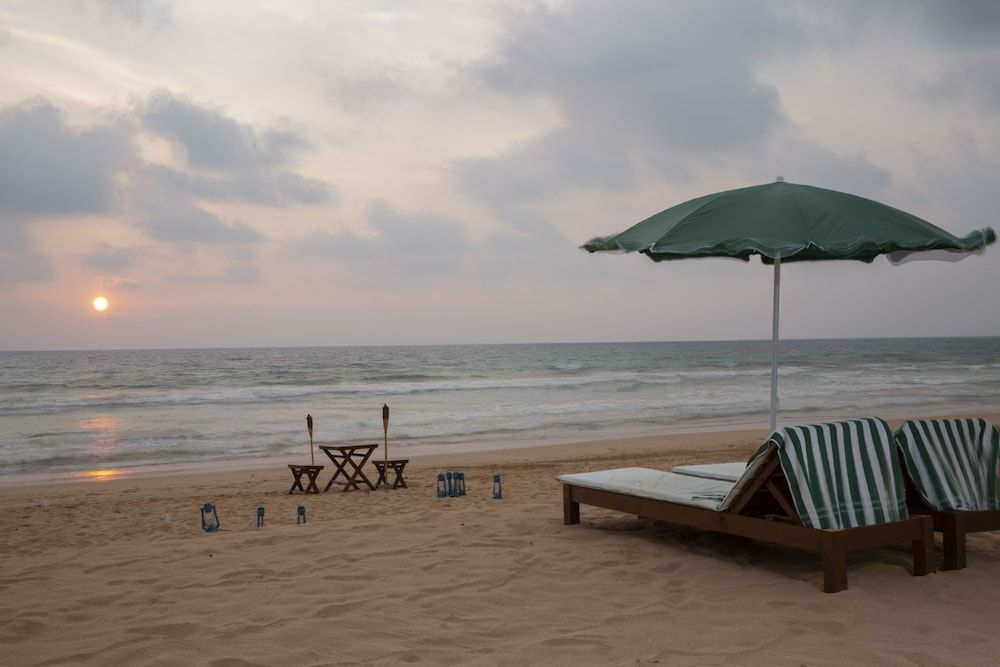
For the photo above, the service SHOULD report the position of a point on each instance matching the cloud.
(975, 78)
(243, 273)
(21, 261)
(213, 140)
(532, 249)
(106, 257)
(368, 95)
(154, 13)
(962, 38)
(239, 269)
(178, 221)
(802, 162)
(960, 188)
(420, 245)
(119, 283)
(49, 168)
(268, 188)
(24, 265)
(650, 85)
(962, 24)
(557, 161)
(954, 26)
(226, 159)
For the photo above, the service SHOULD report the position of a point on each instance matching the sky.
(235, 173)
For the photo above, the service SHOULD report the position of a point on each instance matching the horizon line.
(482, 344)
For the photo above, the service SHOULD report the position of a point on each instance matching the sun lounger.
(952, 468)
(827, 488)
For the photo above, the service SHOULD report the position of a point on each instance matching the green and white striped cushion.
(841, 474)
(952, 462)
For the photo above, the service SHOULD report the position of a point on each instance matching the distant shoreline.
(683, 437)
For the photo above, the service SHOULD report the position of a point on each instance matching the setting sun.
(100, 303)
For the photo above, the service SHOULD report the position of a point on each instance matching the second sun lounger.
(951, 470)
(827, 488)
(952, 467)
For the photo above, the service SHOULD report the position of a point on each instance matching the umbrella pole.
(774, 343)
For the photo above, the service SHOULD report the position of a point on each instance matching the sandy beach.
(120, 572)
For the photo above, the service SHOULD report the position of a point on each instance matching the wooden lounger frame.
(953, 526)
(763, 511)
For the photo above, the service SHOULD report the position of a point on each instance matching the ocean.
(95, 414)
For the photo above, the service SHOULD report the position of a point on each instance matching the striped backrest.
(952, 462)
(841, 474)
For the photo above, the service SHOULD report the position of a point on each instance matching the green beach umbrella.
(788, 222)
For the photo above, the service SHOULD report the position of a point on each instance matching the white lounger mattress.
(727, 472)
(655, 485)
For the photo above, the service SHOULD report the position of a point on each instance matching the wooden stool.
(312, 472)
(397, 466)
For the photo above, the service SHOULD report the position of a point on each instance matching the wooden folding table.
(348, 461)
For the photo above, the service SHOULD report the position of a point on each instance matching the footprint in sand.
(22, 630)
(826, 627)
(334, 610)
(590, 645)
(166, 630)
(233, 662)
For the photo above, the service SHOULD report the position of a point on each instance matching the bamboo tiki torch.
(309, 425)
(385, 429)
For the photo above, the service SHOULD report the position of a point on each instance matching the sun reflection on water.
(101, 475)
(106, 430)
(101, 423)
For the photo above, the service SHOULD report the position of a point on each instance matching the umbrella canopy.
(788, 222)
